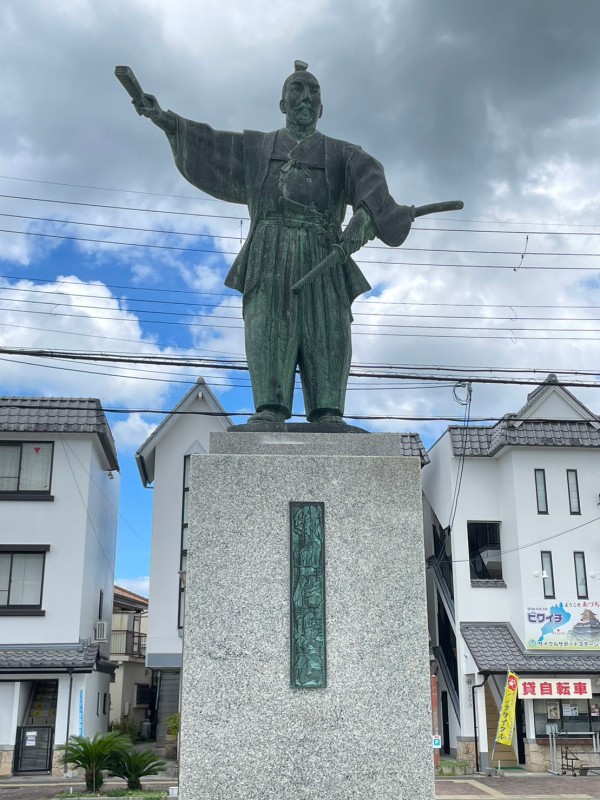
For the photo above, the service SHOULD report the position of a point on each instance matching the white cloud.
(140, 585)
(130, 433)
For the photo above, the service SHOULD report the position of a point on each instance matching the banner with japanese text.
(562, 625)
(506, 723)
(554, 688)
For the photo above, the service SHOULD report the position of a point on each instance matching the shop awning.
(495, 647)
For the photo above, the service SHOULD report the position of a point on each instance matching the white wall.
(188, 434)
(62, 525)
(9, 699)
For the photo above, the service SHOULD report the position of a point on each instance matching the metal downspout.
(476, 686)
(70, 671)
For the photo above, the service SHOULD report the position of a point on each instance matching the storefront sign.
(506, 723)
(563, 625)
(554, 688)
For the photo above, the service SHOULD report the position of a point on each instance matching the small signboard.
(437, 742)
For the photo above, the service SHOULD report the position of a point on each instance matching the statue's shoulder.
(340, 146)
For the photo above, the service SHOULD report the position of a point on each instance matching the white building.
(131, 694)
(162, 461)
(59, 486)
(511, 525)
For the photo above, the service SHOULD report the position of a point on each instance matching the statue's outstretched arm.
(145, 104)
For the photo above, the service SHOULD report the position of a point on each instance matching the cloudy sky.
(497, 104)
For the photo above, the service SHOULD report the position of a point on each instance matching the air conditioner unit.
(101, 631)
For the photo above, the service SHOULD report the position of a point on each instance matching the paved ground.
(518, 787)
(522, 787)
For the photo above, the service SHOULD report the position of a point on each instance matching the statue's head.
(301, 98)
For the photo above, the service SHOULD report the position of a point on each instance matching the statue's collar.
(291, 139)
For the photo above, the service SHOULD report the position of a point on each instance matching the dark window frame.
(143, 694)
(32, 494)
(587, 593)
(101, 604)
(573, 472)
(548, 583)
(476, 541)
(540, 506)
(184, 532)
(24, 609)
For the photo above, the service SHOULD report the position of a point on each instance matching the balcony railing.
(128, 643)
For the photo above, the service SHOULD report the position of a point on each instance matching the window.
(143, 694)
(485, 558)
(547, 570)
(540, 491)
(101, 605)
(580, 575)
(105, 703)
(573, 487)
(21, 578)
(184, 541)
(570, 715)
(25, 467)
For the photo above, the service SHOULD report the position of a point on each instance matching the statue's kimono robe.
(297, 193)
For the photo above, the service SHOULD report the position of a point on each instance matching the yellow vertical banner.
(506, 723)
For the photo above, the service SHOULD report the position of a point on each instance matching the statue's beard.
(303, 118)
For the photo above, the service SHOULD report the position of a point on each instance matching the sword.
(338, 255)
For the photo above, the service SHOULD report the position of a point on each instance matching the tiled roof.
(125, 597)
(496, 648)
(413, 446)
(516, 430)
(58, 415)
(487, 441)
(27, 658)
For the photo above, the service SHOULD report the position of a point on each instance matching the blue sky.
(494, 104)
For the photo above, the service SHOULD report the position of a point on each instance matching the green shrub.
(173, 724)
(93, 755)
(127, 727)
(131, 765)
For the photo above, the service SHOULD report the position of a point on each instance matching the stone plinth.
(245, 733)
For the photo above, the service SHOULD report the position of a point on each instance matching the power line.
(189, 303)
(514, 329)
(164, 231)
(213, 364)
(370, 301)
(570, 268)
(442, 219)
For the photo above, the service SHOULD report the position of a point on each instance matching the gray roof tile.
(496, 648)
(487, 441)
(58, 415)
(27, 658)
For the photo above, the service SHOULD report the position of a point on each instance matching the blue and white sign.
(437, 742)
(81, 712)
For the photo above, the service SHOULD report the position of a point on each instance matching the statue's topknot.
(300, 66)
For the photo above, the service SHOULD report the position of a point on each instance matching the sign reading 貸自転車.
(553, 688)
(562, 625)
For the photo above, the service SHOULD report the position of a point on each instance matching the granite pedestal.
(245, 733)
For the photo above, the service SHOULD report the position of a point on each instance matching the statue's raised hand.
(145, 104)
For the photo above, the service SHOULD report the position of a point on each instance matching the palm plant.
(94, 755)
(131, 765)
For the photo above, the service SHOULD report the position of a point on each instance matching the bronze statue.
(294, 271)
